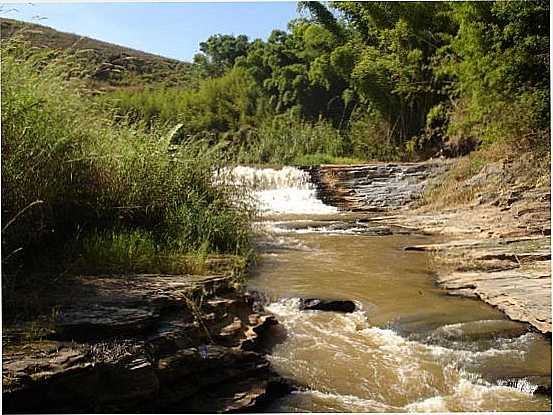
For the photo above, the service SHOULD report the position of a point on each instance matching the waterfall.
(281, 191)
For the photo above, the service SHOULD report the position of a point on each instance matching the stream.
(408, 347)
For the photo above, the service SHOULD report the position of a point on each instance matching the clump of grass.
(487, 172)
(120, 252)
(286, 139)
(123, 194)
(314, 159)
(452, 188)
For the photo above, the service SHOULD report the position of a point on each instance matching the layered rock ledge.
(373, 187)
(143, 343)
(497, 249)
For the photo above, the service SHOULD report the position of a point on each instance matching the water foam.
(351, 403)
(433, 404)
(408, 359)
(521, 385)
(285, 190)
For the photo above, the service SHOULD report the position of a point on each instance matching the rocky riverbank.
(142, 343)
(378, 187)
(183, 343)
(496, 248)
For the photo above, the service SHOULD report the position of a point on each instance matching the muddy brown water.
(409, 347)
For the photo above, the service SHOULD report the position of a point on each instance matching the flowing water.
(408, 346)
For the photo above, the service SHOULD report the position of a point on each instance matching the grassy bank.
(514, 152)
(83, 193)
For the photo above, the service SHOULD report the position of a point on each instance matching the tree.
(219, 53)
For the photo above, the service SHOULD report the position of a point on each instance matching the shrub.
(516, 125)
(370, 137)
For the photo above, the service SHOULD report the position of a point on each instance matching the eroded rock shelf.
(145, 343)
(373, 187)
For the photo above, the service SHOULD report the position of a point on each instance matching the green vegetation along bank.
(350, 81)
(368, 80)
(83, 194)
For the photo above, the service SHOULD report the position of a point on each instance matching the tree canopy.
(421, 72)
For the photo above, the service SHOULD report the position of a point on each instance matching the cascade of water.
(284, 190)
(405, 348)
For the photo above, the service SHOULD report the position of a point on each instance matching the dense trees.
(393, 78)
(499, 61)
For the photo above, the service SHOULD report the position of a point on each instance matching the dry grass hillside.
(113, 65)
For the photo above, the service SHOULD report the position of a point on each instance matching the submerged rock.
(543, 384)
(519, 377)
(481, 330)
(342, 306)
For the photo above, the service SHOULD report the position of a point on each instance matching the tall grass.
(286, 139)
(77, 186)
(217, 105)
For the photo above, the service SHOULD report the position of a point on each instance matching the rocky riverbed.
(143, 343)
(183, 343)
(496, 248)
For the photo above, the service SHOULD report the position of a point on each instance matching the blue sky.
(169, 29)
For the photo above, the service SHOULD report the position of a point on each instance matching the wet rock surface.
(146, 343)
(513, 274)
(481, 330)
(355, 226)
(341, 306)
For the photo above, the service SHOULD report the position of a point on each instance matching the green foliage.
(392, 72)
(500, 62)
(219, 52)
(218, 105)
(370, 137)
(388, 80)
(316, 159)
(295, 70)
(69, 172)
(286, 139)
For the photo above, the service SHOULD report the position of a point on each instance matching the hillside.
(114, 65)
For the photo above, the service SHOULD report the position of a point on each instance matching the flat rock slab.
(93, 307)
(143, 342)
(522, 245)
(512, 274)
(89, 321)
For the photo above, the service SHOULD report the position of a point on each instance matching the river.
(408, 347)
